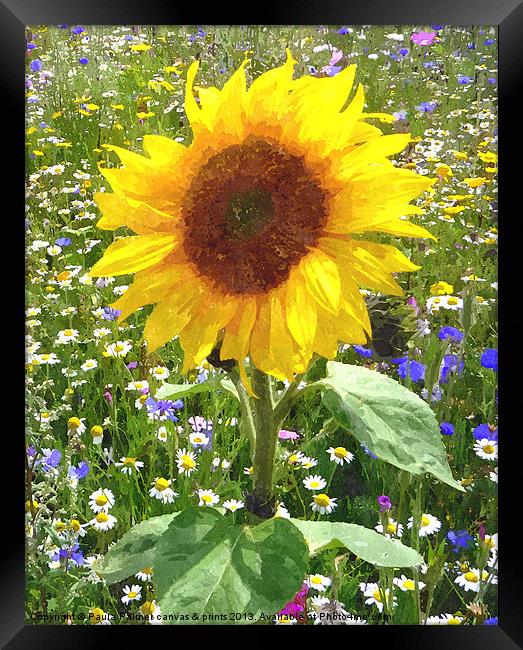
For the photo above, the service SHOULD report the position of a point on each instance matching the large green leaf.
(392, 421)
(366, 544)
(175, 391)
(205, 565)
(135, 550)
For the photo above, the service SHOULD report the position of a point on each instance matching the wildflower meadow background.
(105, 451)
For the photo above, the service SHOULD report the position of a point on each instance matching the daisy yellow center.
(391, 528)
(96, 431)
(322, 500)
(97, 614)
(340, 452)
(314, 484)
(132, 594)
(129, 462)
(425, 521)
(255, 228)
(118, 347)
(148, 570)
(488, 449)
(68, 332)
(101, 518)
(454, 621)
(75, 525)
(409, 584)
(187, 462)
(452, 301)
(73, 423)
(197, 439)
(316, 580)
(471, 577)
(101, 500)
(377, 596)
(148, 608)
(161, 484)
(59, 526)
(206, 498)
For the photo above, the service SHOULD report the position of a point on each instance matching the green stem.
(266, 428)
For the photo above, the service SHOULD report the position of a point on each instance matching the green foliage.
(390, 420)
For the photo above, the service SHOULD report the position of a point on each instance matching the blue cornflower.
(343, 31)
(332, 70)
(31, 46)
(471, 46)
(404, 51)
(492, 80)
(446, 428)
(493, 620)
(428, 64)
(163, 409)
(79, 472)
(84, 60)
(36, 65)
(489, 41)
(448, 365)
(63, 242)
(400, 115)
(426, 107)
(79, 29)
(65, 555)
(50, 460)
(485, 431)
(436, 28)
(368, 451)
(111, 314)
(364, 352)
(463, 79)
(459, 539)
(489, 359)
(415, 370)
(449, 333)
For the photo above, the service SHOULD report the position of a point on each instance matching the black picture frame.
(507, 15)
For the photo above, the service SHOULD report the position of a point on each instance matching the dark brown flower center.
(251, 213)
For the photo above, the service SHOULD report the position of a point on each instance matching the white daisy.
(162, 434)
(314, 482)
(469, 581)
(128, 464)
(151, 612)
(138, 385)
(373, 595)
(131, 593)
(100, 332)
(233, 505)
(198, 439)
(429, 525)
(160, 372)
(393, 529)
(323, 504)
(101, 500)
(66, 336)
(75, 425)
(406, 584)
(307, 462)
(185, 461)
(89, 364)
(282, 512)
(445, 619)
(97, 434)
(162, 491)
(103, 521)
(340, 455)
(486, 449)
(319, 582)
(118, 349)
(146, 574)
(207, 498)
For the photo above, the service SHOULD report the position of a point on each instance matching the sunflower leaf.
(207, 566)
(135, 550)
(390, 420)
(363, 542)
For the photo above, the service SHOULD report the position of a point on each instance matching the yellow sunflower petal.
(172, 314)
(322, 280)
(118, 210)
(132, 254)
(268, 93)
(164, 151)
(199, 336)
(300, 310)
(150, 286)
(371, 152)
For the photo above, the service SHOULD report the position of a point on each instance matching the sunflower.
(249, 238)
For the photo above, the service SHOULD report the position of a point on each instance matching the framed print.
(261, 321)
